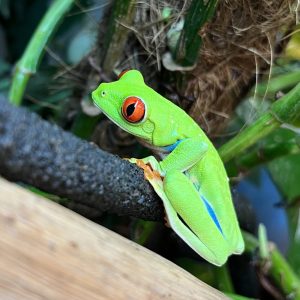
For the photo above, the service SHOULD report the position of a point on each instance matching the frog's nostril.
(103, 93)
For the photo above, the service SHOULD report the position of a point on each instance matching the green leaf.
(286, 173)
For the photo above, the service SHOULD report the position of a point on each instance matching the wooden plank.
(50, 252)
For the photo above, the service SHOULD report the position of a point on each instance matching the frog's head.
(125, 102)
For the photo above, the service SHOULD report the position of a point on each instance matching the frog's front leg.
(187, 153)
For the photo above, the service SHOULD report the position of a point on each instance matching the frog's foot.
(151, 167)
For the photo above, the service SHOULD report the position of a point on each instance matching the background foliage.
(91, 41)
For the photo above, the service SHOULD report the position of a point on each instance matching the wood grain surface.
(50, 252)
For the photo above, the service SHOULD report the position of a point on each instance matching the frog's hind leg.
(193, 220)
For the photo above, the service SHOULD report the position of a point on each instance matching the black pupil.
(130, 109)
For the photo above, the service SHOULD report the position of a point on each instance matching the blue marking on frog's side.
(212, 213)
(170, 148)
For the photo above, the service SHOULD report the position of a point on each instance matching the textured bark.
(41, 154)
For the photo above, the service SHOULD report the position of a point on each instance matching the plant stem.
(282, 273)
(284, 110)
(265, 154)
(275, 266)
(28, 63)
(116, 35)
(263, 242)
(278, 83)
(189, 42)
(251, 242)
(224, 279)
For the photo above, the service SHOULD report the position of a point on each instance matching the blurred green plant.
(273, 264)
(189, 42)
(4, 8)
(28, 63)
(286, 110)
(218, 277)
(278, 83)
(121, 17)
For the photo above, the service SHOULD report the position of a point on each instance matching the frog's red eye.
(122, 73)
(133, 109)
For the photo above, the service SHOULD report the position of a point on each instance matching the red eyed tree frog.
(193, 182)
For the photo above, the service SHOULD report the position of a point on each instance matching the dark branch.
(41, 154)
